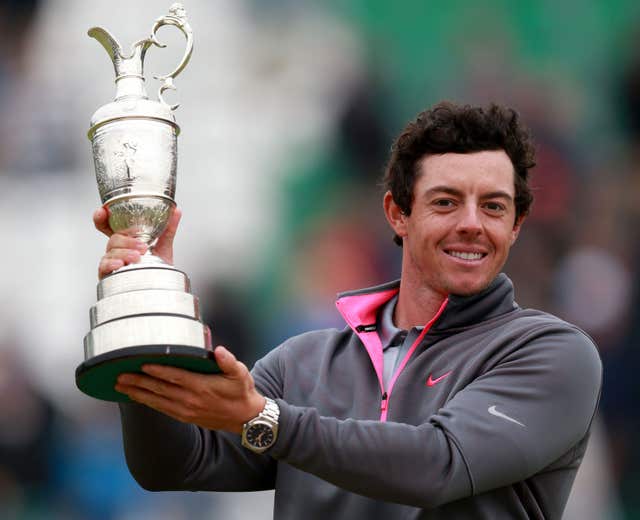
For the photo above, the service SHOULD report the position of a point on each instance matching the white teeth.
(466, 256)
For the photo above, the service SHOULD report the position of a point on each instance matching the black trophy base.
(97, 376)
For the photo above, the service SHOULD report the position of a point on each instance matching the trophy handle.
(178, 18)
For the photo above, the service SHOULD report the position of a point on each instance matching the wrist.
(260, 433)
(256, 405)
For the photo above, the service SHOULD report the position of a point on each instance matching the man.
(442, 398)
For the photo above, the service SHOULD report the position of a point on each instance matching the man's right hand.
(123, 250)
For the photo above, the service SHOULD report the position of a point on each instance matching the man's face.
(461, 226)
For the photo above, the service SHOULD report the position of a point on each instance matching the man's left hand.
(222, 401)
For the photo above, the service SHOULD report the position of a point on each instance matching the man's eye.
(494, 206)
(444, 203)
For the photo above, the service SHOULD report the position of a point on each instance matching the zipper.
(371, 327)
(386, 395)
(366, 328)
(384, 402)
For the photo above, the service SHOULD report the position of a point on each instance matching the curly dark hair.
(447, 127)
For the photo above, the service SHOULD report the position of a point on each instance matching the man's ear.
(516, 228)
(395, 216)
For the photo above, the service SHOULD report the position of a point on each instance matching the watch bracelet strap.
(271, 411)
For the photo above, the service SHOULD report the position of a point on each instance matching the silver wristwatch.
(261, 432)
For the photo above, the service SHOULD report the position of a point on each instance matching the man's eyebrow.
(443, 189)
(498, 194)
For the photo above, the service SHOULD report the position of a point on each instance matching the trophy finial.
(177, 9)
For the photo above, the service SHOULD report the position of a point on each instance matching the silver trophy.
(145, 312)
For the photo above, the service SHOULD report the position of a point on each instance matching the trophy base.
(97, 376)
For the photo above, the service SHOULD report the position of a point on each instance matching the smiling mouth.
(462, 255)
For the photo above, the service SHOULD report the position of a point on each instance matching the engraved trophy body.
(145, 312)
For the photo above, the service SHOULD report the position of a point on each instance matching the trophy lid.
(131, 99)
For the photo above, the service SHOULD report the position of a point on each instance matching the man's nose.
(470, 221)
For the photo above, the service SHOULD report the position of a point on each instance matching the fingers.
(121, 250)
(173, 375)
(101, 221)
(124, 250)
(227, 362)
(115, 259)
(213, 401)
(108, 265)
(156, 394)
(172, 391)
(160, 386)
(119, 241)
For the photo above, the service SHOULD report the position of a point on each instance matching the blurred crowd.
(288, 112)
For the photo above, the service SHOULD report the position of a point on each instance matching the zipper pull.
(366, 328)
(383, 403)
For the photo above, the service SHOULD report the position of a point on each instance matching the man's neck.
(417, 305)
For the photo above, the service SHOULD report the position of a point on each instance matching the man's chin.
(465, 288)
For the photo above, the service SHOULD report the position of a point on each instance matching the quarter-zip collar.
(360, 311)
(361, 307)
(466, 311)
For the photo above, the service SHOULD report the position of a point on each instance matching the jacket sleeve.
(514, 420)
(164, 454)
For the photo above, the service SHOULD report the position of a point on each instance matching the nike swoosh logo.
(492, 410)
(433, 382)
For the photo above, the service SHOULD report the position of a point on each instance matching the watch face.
(260, 435)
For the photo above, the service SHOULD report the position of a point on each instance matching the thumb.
(164, 245)
(227, 362)
(101, 221)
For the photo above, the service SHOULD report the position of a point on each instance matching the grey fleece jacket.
(487, 417)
